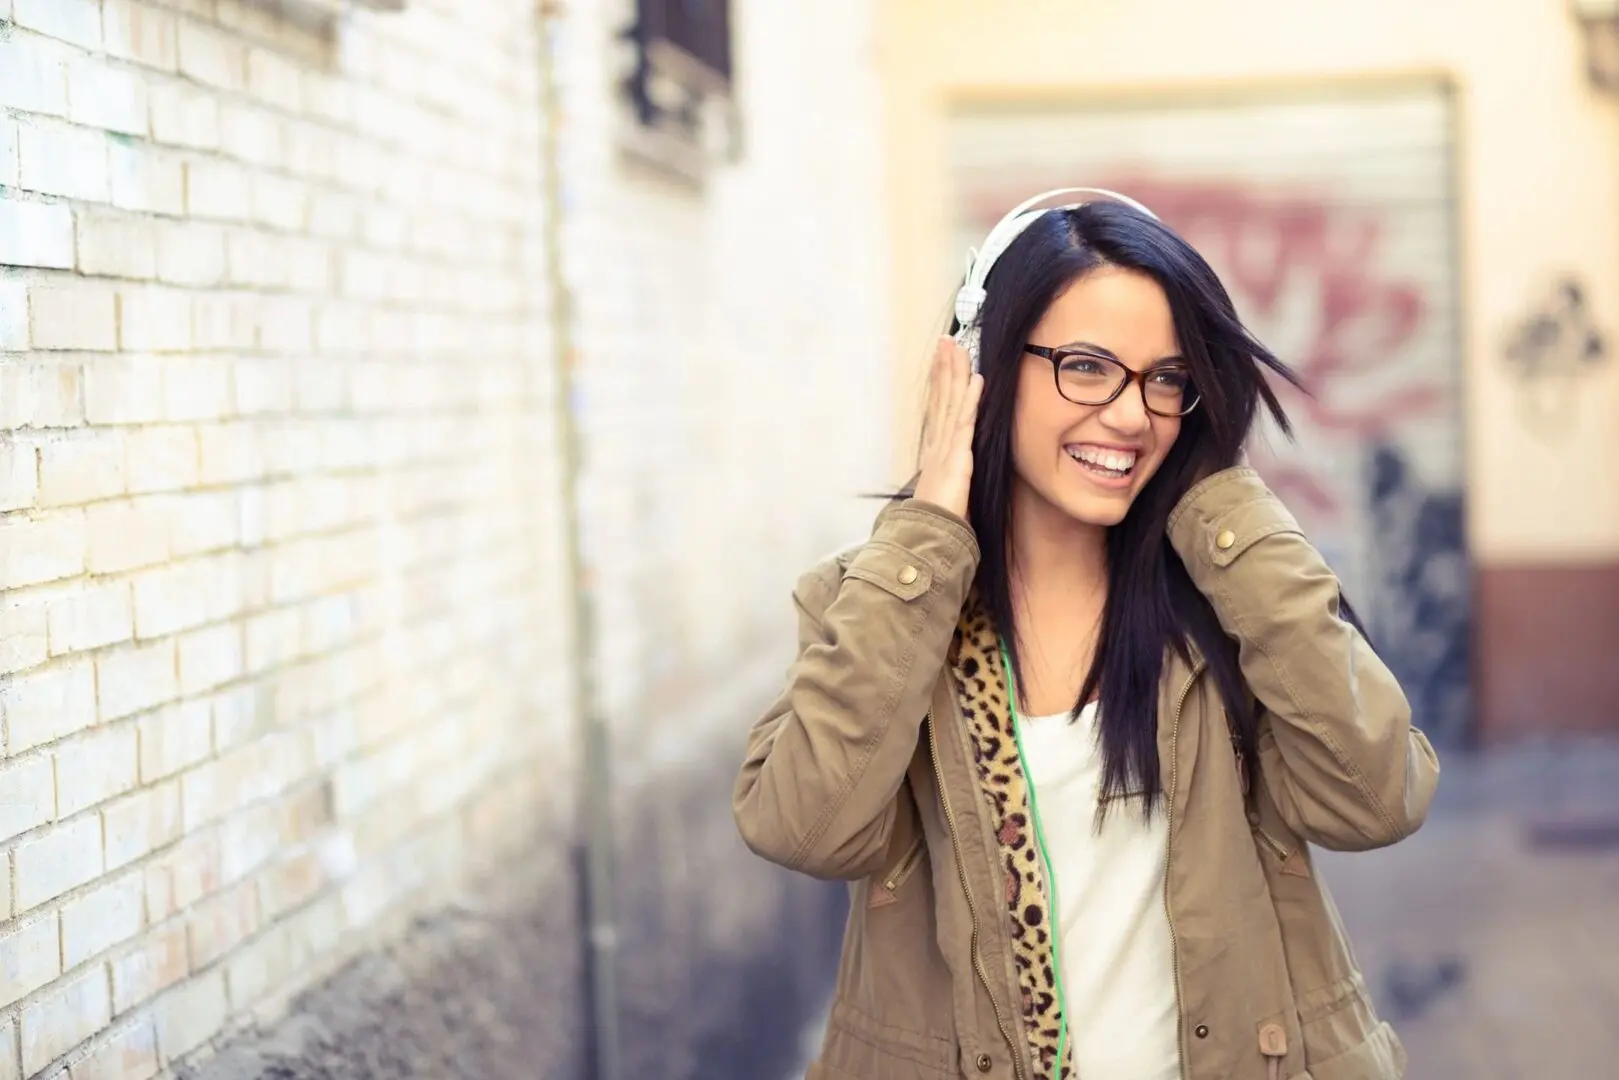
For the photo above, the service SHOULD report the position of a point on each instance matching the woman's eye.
(1082, 366)
(1171, 377)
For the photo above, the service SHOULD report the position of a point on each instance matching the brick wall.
(279, 635)
(282, 634)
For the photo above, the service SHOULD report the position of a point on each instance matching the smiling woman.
(1018, 653)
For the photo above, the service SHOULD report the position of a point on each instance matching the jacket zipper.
(1169, 854)
(907, 865)
(972, 910)
(1276, 846)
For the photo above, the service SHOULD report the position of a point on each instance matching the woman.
(1106, 873)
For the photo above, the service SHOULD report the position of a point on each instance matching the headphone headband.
(970, 297)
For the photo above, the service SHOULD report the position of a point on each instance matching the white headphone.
(970, 297)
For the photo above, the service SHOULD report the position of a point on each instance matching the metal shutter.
(1331, 220)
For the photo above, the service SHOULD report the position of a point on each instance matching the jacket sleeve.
(817, 791)
(1336, 746)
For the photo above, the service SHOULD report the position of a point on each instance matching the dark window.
(682, 56)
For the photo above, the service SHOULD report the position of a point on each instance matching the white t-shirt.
(1114, 946)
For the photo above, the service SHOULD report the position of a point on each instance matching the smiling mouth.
(1113, 464)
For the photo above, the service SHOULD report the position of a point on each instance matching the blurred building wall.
(1525, 271)
(284, 647)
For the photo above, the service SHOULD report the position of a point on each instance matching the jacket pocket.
(884, 889)
(1289, 858)
(1381, 1056)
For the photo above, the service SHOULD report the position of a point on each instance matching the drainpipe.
(595, 791)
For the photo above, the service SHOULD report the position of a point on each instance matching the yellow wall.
(1538, 173)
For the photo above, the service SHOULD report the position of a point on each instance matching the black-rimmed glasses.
(1089, 378)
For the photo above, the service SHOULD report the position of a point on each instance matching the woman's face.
(1089, 462)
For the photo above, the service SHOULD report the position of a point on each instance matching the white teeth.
(1115, 460)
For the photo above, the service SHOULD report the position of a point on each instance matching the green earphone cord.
(1045, 859)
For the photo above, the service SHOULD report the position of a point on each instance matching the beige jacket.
(861, 770)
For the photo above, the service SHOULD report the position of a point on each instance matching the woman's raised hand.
(946, 461)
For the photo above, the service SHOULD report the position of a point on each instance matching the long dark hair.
(1152, 606)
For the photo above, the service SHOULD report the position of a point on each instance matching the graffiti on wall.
(1318, 281)
(1548, 353)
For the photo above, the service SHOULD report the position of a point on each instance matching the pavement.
(1491, 937)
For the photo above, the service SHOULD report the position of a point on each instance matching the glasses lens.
(1088, 380)
(1169, 391)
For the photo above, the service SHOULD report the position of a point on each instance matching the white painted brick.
(81, 468)
(223, 922)
(162, 459)
(224, 321)
(127, 535)
(251, 134)
(217, 189)
(13, 315)
(96, 615)
(154, 319)
(35, 234)
(103, 96)
(65, 1017)
(77, 22)
(19, 475)
(95, 767)
(172, 598)
(126, 1052)
(242, 713)
(183, 116)
(42, 393)
(175, 738)
(310, 266)
(43, 706)
(210, 658)
(132, 680)
(111, 245)
(145, 178)
(203, 522)
(30, 957)
(274, 80)
(191, 254)
(27, 795)
(134, 30)
(156, 964)
(260, 966)
(187, 1015)
(80, 317)
(24, 637)
(249, 840)
(231, 453)
(37, 550)
(256, 259)
(264, 385)
(289, 326)
(280, 203)
(8, 151)
(197, 388)
(55, 159)
(191, 873)
(64, 857)
(107, 916)
(211, 57)
(33, 77)
(274, 638)
(139, 824)
(10, 1054)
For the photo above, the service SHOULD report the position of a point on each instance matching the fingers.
(935, 393)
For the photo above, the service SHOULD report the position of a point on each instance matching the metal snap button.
(984, 1064)
(908, 575)
(1201, 1031)
(1225, 539)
